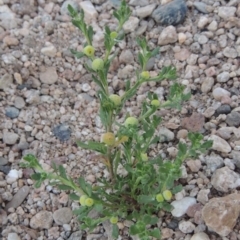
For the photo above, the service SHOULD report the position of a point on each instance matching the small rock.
(213, 26)
(8, 18)
(126, 56)
(173, 224)
(76, 235)
(10, 137)
(171, 13)
(165, 135)
(225, 132)
(200, 236)
(181, 206)
(224, 179)
(3, 161)
(235, 155)
(233, 119)
(62, 216)
(186, 227)
(202, 196)
(11, 41)
(89, 10)
(207, 84)
(219, 93)
(201, 7)
(202, 22)
(18, 78)
(182, 37)
(214, 162)
(143, 12)
(49, 51)
(11, 112)
(64, 9)
(223, 77)
(166, 233)
(13, 236)
(50, 76)
(42, 220)
(220, 144)
(182, 55)
(194, 123)
(131, 24)
(5, 81)
(182, 134)
(223, 109)
(62, 132)
(19, 102)
(18, 198)
(226, 12)
(32, 96)
(230, 52)
(167, 36)
(221, 214)
(193, 209)
(3, 217)
(194, 165)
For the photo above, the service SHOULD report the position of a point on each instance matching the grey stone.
(235, 155)
(167, 36)
(11, 112)
(223, 77)
(5, 169)
(230, 52)
(42, 220)
(165, 135)
(223, 109)
(214, 162)
(220, 144)
(195, 47)
(62, 216)
(7, 17)
(64, 9)
(18, 198)
(10, 138)
(5, 81)
(62, 132)
(226, 12)
(3, 161)
(233, 119)
(19, 102)
(13, 236)
(49, 76)
(171, 13)
(201, 7)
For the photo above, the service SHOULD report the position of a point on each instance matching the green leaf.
(155, 233)
(62, 172)
(115, 231)
(72, 11)
(207, 145)
(38, 184)
(155, 52)
(167, 207)
(177, 189)
(147, 219)
(98, 207)
(64, 187)
(145, 199)
(74, 196)
(77, 54)
(154, 220)
(133, 230)
(90, 34)
(36, 176)
(95, 146)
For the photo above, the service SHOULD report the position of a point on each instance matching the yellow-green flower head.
(114, 220)
(167, 194)
(89, 202)
(155, 103)
(113, 34)
(115, 99)
(97, 64)
(82, 199)
(145, 74)
(108, 138)
(131, 121)
(159, 197)
(89, 51)
(144, 156)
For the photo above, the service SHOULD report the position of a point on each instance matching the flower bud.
(115, 99)
(108, 138)
(159, 197)
(82, 199)
(89, 202)
(155, 103)
(167, 194)
(145, 74)
(131, 121)
(89, 51)
(114, 220)
(97, 64)
(113, 35)
(144, 156)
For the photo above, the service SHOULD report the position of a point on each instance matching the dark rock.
(173, 224)
(233, 119)
(18, 198)
(62, 132)
(5, 169)
(195, 47)
(11, 112)
(76, 235)
(3, 161)
(234, 91)
(22, 86)
(223, 109)
(171, 13)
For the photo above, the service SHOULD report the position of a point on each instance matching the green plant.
(149, 182)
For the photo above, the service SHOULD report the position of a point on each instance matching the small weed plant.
(149, 183)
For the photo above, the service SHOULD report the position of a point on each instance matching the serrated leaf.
(95, 146)
(155, 233)
(133, 230)
(72, 11)
(74, 196)
(147, 219)
(207, 145)
(155, 52)
(36, 176)
(62, 172)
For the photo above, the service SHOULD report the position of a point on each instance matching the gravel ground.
(48, 101)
